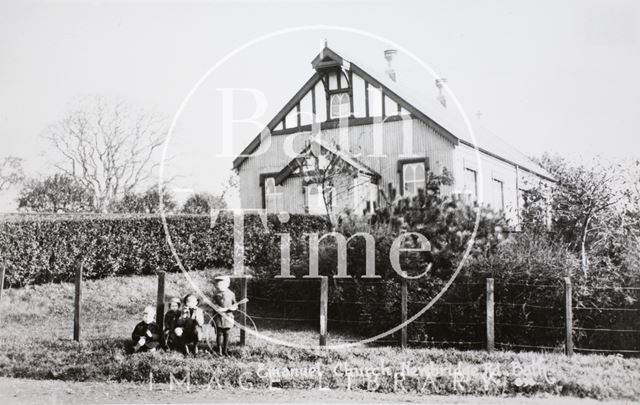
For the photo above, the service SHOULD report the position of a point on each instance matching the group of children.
(184, 321)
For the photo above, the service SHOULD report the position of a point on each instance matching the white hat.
(224, 281)
(149, 310)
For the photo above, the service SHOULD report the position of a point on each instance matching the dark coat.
(141, 329)
(171, 319)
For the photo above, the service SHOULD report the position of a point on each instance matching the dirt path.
(21, 391)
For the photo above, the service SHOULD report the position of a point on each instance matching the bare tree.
(10, 172)
(323, 166)
(108, 147)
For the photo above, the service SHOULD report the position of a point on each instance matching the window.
(471, 183)
(373, 198)
(340, 106)
(412, 178)
(315, 200)
(273, 200)
(497, 194)
(365, 196)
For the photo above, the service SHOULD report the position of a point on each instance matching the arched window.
(412, 178)
(340, 105)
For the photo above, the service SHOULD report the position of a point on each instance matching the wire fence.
(514, 316)
(522, 318)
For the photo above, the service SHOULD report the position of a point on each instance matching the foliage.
(11, 172)
(146, 203)
(447, 224)
(203, 203)
(47, 248)
(58, 193)
(583, 202)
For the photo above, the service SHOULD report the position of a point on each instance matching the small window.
(412, 178)
(340, 106)
(498, 194)
(272, 196)
(471, 183)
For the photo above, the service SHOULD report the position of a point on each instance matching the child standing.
(146, 335)
(225, 300)
(173, 334)
(191, 322)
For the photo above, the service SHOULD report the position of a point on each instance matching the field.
(35, 343)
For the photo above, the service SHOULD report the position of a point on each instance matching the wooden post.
(490, 316)
(243, 308)
(403, 313)
(324, 303)
(160, 301)
(3, 270)
(568, 318)
(77, 301)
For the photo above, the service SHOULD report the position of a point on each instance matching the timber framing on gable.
(295, 100)
(326, 61)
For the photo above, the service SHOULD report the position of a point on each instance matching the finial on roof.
(326, 43)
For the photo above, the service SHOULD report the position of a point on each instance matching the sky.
(546, 76)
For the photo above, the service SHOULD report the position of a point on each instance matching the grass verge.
(37, 326)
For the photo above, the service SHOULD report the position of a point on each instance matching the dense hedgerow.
(528, 270)
(46, 249)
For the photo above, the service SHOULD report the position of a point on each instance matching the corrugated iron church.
(386, 138)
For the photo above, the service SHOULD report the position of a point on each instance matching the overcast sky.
(556, 76)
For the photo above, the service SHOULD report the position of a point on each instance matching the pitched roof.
(347, 157)
(425, 107)
(447, 118)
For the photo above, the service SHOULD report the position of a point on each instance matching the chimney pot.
(389, 55)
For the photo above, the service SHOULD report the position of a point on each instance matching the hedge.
(46, 249)
(42, 249)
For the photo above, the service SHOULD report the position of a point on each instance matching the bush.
(42, 249)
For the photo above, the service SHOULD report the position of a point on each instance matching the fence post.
(243, 309)
(3, 270)
(324, 302)
(403, 312)
(160, 301)
(77, 300)
(568, 318)
(490, 316)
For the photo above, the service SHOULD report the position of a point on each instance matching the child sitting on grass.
(146, 335)
(225, 300)
(190, 324)
(173, 334)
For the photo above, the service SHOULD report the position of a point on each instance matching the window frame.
(340, 94)
(263, 187)
(307, 193)
(494, 182)
(412, 161)
(472, 193)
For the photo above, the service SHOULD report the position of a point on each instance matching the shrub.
(41, 249)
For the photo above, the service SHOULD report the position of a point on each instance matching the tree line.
(107, 161)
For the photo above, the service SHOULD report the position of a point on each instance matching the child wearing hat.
(146, 335)
(225, 301)
(173, 334)
(190, 323)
